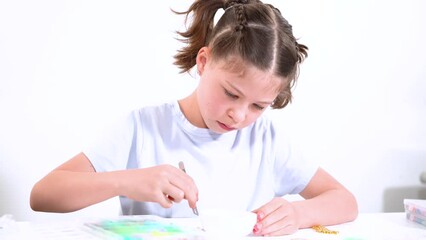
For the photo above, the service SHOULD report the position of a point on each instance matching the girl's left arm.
(327, 202)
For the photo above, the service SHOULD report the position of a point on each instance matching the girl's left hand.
(277, 217)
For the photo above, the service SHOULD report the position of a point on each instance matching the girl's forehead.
(242, 69)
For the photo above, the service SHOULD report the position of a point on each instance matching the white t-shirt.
(241, 169)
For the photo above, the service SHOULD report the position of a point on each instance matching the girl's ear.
(202, 58)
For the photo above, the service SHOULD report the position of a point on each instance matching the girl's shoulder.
(145, 116)
(155, 111)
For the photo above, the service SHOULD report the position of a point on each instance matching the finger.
(184, 182)
(268, 224)
(173, 193)
(164, 200)
(272, 225)
(286, 230)
(267, 209)
(273, 217)
(192, 199)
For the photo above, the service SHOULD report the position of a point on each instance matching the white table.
(371, 226)
(368, 226)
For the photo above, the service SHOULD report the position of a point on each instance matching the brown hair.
(249, 29)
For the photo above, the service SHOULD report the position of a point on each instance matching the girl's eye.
(230, 94)
(258, 107)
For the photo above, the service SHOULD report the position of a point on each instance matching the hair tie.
(217, 16)
(230, 4)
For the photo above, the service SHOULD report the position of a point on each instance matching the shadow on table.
(393, 198)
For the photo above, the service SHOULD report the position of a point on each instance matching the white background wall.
(70, 68)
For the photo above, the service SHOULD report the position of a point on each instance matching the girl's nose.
(237, 114)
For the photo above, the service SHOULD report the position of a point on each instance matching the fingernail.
(256, 228)
(260, 216)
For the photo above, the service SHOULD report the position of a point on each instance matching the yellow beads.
(322, 229)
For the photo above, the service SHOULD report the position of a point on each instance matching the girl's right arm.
(75, 185)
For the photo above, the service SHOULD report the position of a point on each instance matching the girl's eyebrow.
(242, 94)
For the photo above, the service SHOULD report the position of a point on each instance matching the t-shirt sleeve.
(115, 148)
(292, 170)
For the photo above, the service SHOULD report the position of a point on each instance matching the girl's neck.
(191, 110)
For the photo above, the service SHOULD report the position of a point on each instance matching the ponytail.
(198, 34)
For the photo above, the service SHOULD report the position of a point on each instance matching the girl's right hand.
(163, 184)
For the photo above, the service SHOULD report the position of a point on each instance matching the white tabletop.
(368, 226)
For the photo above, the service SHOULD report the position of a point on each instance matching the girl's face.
(232, 96)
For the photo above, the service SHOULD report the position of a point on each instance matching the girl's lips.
(225, 127)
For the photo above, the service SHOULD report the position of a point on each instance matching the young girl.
(234, 156)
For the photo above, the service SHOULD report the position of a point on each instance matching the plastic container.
(415, 210)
